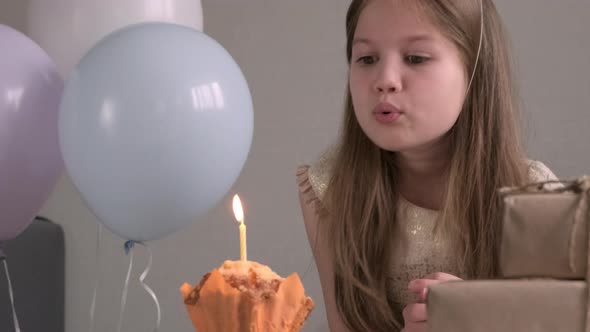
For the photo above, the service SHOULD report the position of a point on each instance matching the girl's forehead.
(396, 20)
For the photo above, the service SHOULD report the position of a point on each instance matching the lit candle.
(239, 214)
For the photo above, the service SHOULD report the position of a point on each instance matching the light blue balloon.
(155, 126)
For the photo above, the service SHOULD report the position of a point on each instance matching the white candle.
(243, 252)
(239, 214)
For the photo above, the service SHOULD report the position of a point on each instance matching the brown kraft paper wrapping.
(505, 306)
(545, 230)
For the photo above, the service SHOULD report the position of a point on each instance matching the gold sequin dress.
(417, 252)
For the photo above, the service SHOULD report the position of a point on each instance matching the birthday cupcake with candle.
(246, 296)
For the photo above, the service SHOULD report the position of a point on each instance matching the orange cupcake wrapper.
(214, 305)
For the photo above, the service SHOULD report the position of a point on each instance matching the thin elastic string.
(11, 295)
(128, 246)
(2, 252)
(149, 290)
(480, 43)
(128, 250)
(96, 276)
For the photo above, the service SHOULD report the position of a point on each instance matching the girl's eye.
(416, 59)
(366, 60)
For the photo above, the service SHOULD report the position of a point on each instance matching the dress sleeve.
(313, 179)
(305, 187)
(539, 172)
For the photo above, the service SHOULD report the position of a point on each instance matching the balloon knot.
(2, 253)
(128, 246)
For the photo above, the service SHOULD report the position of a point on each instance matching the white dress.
(416, 251)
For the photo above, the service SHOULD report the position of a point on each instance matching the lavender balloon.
(30, 159)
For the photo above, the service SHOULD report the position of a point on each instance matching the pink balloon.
(30, 159)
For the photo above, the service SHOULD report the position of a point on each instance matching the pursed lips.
(386, 113)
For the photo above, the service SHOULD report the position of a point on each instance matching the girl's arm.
(323, 258)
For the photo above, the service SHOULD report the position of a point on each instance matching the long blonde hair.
(358, 215)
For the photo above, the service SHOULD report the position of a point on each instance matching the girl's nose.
(388, 80)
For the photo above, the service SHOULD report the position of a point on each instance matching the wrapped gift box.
(508, 306)
(545, 230)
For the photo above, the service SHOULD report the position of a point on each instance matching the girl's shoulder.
(313, 179)
(539, 172)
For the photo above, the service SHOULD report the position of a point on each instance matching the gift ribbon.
(588, 268)
(584, 186)
(579, 186)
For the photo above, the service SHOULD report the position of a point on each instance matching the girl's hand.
(415, 315)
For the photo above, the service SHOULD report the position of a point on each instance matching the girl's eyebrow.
(407, 39)
(417, 38)
(361, 41)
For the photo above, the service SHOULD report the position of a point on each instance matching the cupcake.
(247, 296)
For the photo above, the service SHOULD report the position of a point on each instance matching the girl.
(408, 197)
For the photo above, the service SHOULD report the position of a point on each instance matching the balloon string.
(128, 246)
(128, 250)
(149, 290)
(97, 271)
(11, 295)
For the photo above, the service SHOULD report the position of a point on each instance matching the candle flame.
(238, 211)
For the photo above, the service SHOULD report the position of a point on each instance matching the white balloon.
(67, 29)
(155, 125)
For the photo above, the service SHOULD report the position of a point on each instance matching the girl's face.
(407, 80)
